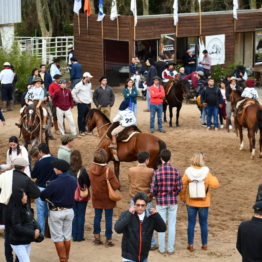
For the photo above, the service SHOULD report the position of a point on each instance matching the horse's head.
(185, 86)
(31, 115)
(234, 97)
(90, 119)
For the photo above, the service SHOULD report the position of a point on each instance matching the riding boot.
(4, 106)
(61, 251)
(113, 144)
(67, 247)
(44, 123)
(10, 105)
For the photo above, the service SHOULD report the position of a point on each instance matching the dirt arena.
(239, 178)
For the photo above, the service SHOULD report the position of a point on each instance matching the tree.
(145, 7)
(253, 4)
(44, 18)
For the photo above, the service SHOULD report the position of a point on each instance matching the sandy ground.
(231, 203)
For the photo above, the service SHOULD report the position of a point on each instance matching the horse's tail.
(162, 145)
(259, 118)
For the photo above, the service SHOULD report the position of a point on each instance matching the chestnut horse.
(249, 117)
(175, 91)
(126, 151)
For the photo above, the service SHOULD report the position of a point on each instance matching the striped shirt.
(166, 185)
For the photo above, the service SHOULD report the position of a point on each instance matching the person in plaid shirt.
(165, 187)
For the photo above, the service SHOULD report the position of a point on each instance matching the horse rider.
(169, 73)
(126, 118)
(36, 95)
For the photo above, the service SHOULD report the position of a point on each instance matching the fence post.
(44, 51)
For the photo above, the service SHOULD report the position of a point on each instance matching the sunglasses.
(140, 205)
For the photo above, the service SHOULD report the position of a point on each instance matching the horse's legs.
(252, 142)
(177, 115)
(241, 137)
(170, 115)
(164, 110)
(116, 168)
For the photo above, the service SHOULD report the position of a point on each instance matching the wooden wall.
(89, 45)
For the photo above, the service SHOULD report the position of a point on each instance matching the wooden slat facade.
(89, 44)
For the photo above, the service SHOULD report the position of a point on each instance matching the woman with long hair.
(34, 74)
(130, 94)
(199, 174)
(78, 171)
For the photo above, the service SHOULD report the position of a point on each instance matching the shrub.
(219, 72)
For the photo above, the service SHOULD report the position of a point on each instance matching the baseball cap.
(20, 161)
(87, 74)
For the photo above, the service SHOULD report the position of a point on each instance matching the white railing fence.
(46, 47)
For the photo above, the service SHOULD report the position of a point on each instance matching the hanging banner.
(258, 47)
(215, 45)
(167, 47)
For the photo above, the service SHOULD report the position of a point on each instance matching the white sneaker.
(82, 134)
(230, 127)
(208, 128)
(221, 126)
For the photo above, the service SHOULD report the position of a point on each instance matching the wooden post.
(78, 18)
(117, 24)
(235, 24)
(102, 29)
(200, 19)
(134, 29)
(87, 23)
(176, 29)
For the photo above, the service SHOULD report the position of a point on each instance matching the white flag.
(134, 10)
(199, 1)
(201, 48)
(77, 6)
(113, 14)
(175, 6)
(235, 8)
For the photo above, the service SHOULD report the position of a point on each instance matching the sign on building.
(215, 45)
(167, 47)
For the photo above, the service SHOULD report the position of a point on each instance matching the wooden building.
(105, 48)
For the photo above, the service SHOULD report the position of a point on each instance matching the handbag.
(81, 194)
(114, 195)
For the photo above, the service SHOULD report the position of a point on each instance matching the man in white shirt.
(83, 95)
(54, 69)
(6, 78)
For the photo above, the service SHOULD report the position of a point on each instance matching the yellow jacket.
(210, 182)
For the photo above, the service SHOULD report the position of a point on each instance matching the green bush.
(23, 63)
(219, 72)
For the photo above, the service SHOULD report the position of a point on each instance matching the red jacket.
(63, 99)
(157, 95)
(53, 88)
(194, 79)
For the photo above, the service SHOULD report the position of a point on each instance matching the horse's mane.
(92, 111)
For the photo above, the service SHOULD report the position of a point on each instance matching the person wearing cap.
(55, 68)
(126, 118)
(206, 64)
(194, 77)
(157, 95)
(6, 79)
(70, 54)
(190, 61)
(45, 76)
(75, 72)
(83, 96)
(63, 101)
(10, 182)
(64, 150)
(59, 194)
(104, 97)
(249, 236)
(169, 73)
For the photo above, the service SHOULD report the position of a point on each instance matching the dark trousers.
(82, 110)
(108, 218)
(7, 92)
(8, 248)
(79, 221)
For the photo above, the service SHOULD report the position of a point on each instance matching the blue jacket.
(61, 191)
(76, 71)
(47, 80)
(130, 96)
(152, 72)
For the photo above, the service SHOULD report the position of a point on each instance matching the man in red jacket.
(63, 101)
(157, 95)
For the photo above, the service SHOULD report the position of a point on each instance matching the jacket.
(63, 99)
(53, 88)
(212, 96)
(104, 97)
(157, 95)
(140, 178)
(188, 59)
(130, 96)
(47, 79)
(6, 182)
(76, 71)
(125, 118)
(152, 72)
(64, 153)
(137, 236)
(83, 92)
(100, 195)
(210, 182)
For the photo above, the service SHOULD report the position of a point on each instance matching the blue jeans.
(167, 212)
(189, 69)
(145, 260)
(78, 225)
(204, 116)
(153, 110)
(203, 215)
(148, 99)
(108, 218)
(82, 110)
(42, 210)
(212, 111)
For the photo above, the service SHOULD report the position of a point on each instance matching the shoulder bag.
(81, 194)
(114, 195)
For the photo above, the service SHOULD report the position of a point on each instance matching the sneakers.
(162, 131)
(221, 126)
(208, 128)
(230, 127)
(204, 125)
(82, 134)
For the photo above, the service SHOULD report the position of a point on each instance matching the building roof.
(10, 12)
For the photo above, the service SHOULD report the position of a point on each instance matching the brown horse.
(126, 151)
(249, 117)
(175, 91)
(31, 129)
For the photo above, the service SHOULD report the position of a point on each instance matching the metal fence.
(46, 47)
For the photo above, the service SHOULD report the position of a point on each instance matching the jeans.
(204, 116)
(145, 260)
(149, 206)
(148, 99)
(190, 69)
(82, 110)
(212, 111)
(79, 221)
(8, 248)
(42, 210)
(108, 218)
(22, 252)
(203, 215)
(168, 212)
(153, 110)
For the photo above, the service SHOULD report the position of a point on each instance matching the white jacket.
(126, 118)
(6, 184)
(83, 92)
(250, 92)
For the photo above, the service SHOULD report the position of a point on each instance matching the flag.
(101, 14)
(77, 6)
(199, 1)
(175, 7)
(113, 14)
(134, 10)
(87, 8)
(235, 7)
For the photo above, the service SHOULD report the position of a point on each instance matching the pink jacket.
(157, 95)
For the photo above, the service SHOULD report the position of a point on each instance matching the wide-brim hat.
(258, 206)
(6, 64)
(171, 63)
(157, 78)
(233, 78)
(37, 79)
(20, 161)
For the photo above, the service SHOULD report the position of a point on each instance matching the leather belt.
(58, 208)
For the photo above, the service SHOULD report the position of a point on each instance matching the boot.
(97, 240)
(190, 248)
(113, 144)
(55, 125)
(109, 242)
(67, 247)
(4, 105)
(44, 126)
(61, 251)
(10, 105)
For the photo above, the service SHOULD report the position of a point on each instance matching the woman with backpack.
(197, 182)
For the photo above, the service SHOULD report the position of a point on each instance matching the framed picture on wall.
(258, 47)
(167, 47)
